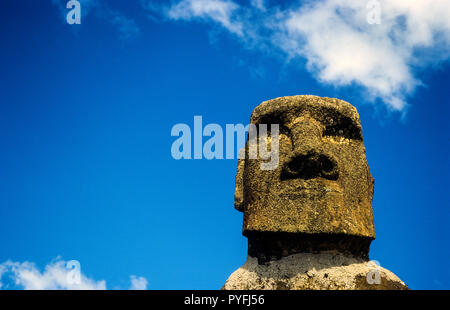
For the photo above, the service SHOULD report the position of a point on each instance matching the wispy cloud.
(138, 283)
(340, 47)
(259, 4)
(126, 26)
(218, 11)
(55, 276)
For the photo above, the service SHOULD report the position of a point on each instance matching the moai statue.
(309, 221)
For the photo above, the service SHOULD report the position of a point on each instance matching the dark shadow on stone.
(269, 246)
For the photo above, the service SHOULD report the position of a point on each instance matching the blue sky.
(86, 113)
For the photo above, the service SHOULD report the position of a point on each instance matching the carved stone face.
(322, 183)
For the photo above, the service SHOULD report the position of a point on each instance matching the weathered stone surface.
(322, 183)
(306, 271)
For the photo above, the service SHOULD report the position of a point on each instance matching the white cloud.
(55, 276)
(340, 47)
(138, 283)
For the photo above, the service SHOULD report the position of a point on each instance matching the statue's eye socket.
(272, 119)
(343, 127)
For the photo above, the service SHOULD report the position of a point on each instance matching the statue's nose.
(308, 160)
(306, 134)
(309, 166)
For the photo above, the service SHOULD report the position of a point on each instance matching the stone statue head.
(322, 185)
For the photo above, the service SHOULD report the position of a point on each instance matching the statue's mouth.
(305, 193)
(317, 188)
(325, 189)
(316, 184)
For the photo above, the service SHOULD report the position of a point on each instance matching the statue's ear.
(371, 186)
(239, 189)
